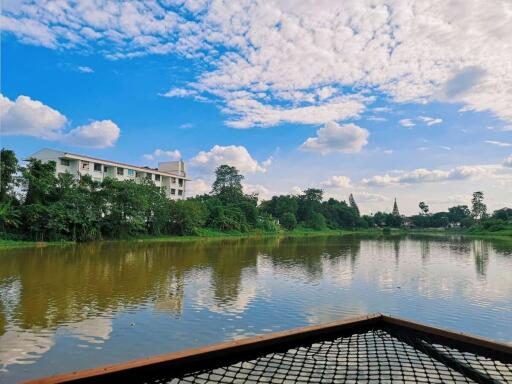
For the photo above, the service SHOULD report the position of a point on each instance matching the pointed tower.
(353, 205)
(396, 212)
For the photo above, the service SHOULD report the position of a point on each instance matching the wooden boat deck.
(372, 348)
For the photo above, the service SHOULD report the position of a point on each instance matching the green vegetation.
(38, 206)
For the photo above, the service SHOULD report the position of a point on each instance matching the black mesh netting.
(374, 356)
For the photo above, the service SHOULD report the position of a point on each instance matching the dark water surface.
(66, 308)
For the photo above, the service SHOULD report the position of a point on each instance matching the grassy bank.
(7, 244)
(205, 234)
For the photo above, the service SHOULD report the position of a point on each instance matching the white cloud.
(296, 190)
(98, 134)
(407, 123)
(262, 192)
(508, 162)
(163, 154)
(186, 126)
(27, 117)
(233, 155)
(422, 175)
(498, 143)
(299, 55)
(376, 118)
(430, 120)
(368, 197)
(387, 151)
(179, 92)
(198, 186)
(250, 112)
(348, 138)
(337, 182)
(85, 69)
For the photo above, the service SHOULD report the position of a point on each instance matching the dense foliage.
(36, 204)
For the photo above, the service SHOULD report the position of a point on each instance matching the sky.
(383, 99)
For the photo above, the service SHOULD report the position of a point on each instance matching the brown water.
(72, 307)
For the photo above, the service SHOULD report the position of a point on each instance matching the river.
(64, 308)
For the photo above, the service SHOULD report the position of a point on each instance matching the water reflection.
(112, 297)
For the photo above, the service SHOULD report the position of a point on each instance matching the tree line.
(36, 204)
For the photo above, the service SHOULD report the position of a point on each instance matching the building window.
(173, 191)
(85, 166)
(138, 174)
(120, 171)
(157, 177)
(64, 162)
(131, 172)
(105, 169)
(180, 182)
(173, 180)
(180, 192)
(97, 167)
(149, 176)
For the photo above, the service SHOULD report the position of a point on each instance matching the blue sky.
(381, 100)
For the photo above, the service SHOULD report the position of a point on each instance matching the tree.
(396, 212)
(316, 221)
(288, 221)
(458, 213)
(423, 208)
(478, 208)
(353, 205)
(8, 169)
(228, 182)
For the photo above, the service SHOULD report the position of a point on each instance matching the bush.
(316, 221)
(288, 221)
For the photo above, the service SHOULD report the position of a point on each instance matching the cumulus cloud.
(250, 112)
(233, 155)
(337, 182)
(98, 134)
(369, 197)
(301, 55)
(407, 123)
(508, 162)
(163, 155)
(258, 189)
(27, 117)
(347, 138)
(198, 186)
(422, 175)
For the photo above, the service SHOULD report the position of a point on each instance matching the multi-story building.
(170, 175)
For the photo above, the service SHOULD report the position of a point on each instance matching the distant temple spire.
(353, 204)
(396, 212)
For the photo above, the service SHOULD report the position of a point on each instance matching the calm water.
(65, 308)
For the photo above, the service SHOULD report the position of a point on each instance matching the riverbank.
(203, 234)
(206, 234)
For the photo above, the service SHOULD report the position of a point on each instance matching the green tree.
(288, 220)
(316, 221)
(228, 183)
(478, 208)
(353, 205)
(458, 213)
(8, 169)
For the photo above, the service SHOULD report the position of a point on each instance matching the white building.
(170, 175)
